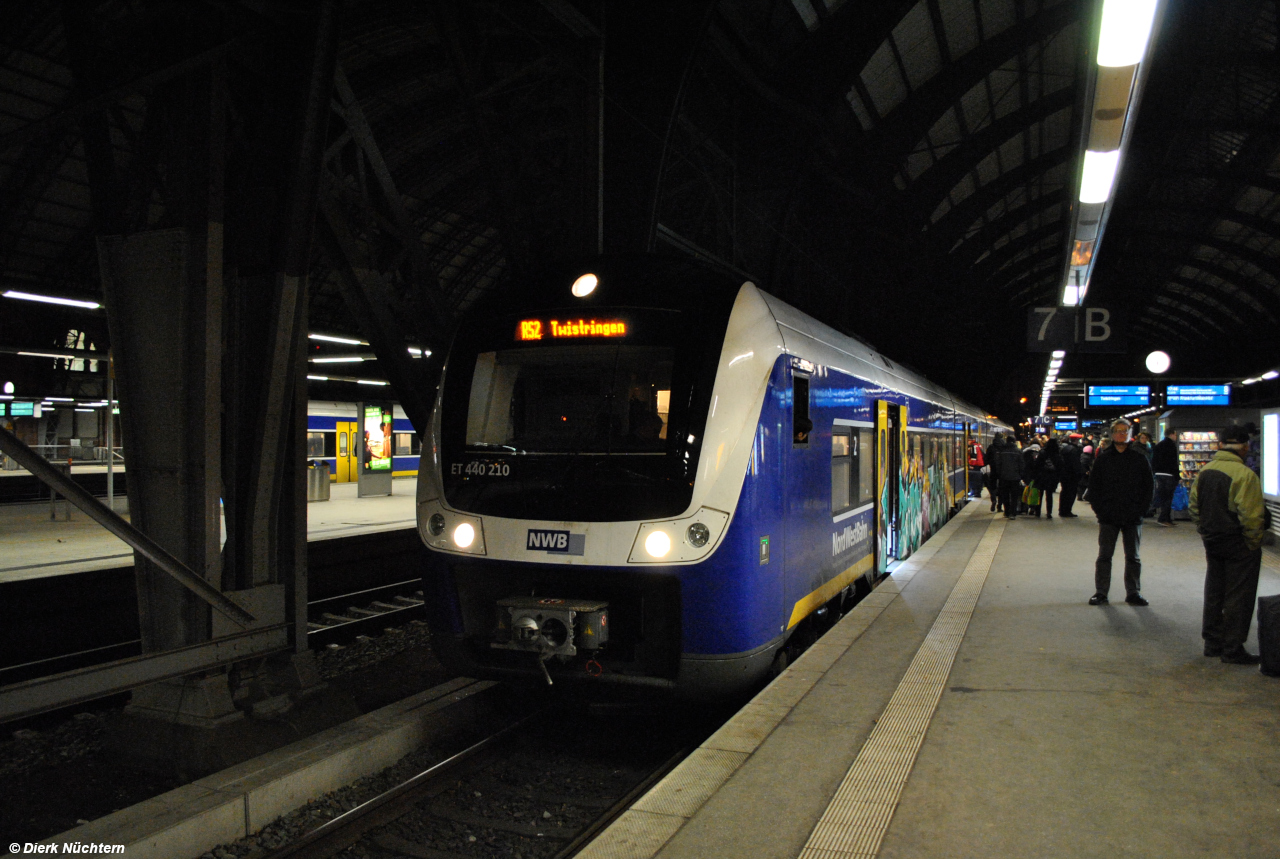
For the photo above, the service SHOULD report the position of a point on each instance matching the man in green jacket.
(1226, 503)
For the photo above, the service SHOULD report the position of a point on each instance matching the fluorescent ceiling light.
(1250, 381)
(419, 353)
(1270, 374)
(1070, 296)
(49, 299)
(90, 411)
(1099, 175)
(338, 359)
(347, 341)
(1126, 28)
(60, 399)
(51, 355)
(1055, 363)
(1059, 353)
(318, 378)
(370, 382)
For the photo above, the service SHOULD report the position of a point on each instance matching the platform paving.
(1062, 730)
(33, 545)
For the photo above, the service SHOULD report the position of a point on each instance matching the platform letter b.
(1096, 324)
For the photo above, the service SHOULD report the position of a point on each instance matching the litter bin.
(318, 481)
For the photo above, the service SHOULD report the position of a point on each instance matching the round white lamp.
(1158, 362)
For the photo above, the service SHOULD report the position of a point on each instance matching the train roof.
(829, 346)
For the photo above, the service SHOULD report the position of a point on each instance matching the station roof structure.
(904, 170)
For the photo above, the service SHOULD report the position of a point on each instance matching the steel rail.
(346, 829)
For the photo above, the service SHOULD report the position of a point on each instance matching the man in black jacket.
(1164, 464)
(1072, 471)
(1120, 491)
(1006, 465)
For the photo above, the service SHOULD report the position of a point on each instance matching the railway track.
(540, 788)
(342, 618)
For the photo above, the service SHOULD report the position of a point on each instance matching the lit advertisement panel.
(1118, 395)
(1198, 395)
(379, 440)
(1271, 455)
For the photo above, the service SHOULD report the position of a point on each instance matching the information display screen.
(1118, 395)
(19, 410)
(1198, 395)
(1064, 425)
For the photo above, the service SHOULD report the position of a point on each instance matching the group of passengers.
(1126, 479)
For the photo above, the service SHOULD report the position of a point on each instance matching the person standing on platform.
(1164, 464)
(1029, 454)
(1120, 492)
(1007, 467)
(1226, 502)
(1072, 471)
(1048, 471)
(989, 477)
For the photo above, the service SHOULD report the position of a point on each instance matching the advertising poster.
(379, 441)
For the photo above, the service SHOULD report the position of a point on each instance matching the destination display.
(568, 329)
(22, 410)
(1064, 425)
(1198, 395)
(1118, 395)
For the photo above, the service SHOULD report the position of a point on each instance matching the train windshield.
(584, 419)
(595, 399)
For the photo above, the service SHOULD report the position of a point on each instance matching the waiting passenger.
(1007, 467)
(1226, 502)
(1164, 463)
(1119, 490)
(989, 476)
(1072, 473)
(1029, 454)
(1048, 471)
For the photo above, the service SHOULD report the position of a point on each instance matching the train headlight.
(435, 524)
(698, 535)
(657, 544)
(464, 535)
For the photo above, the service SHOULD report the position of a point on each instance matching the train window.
(866, 485)
(801, 426)
(851, 482)
(342, 444)
(404, 444)
(315, 444)
(842, 471)
(572, 399)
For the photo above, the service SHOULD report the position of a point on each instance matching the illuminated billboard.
(1101, 396)
(1198, 395)
(379, 440)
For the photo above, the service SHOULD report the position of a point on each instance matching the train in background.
(334, 436)
(644, 472)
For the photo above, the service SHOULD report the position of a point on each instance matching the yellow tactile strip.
(644, 829)
(855, 822)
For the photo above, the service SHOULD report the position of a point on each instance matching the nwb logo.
(549, 541)
(561, 542)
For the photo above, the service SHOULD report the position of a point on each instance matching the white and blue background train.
(642, 471)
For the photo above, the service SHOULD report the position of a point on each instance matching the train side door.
(346, 455)
(887, 475)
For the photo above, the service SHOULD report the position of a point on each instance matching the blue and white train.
(645, 472)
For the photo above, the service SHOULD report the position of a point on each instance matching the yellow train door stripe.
(815, 600)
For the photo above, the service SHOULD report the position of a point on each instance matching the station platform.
(975, 705)
(35, 545)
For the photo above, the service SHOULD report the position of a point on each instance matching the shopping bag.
(1181, 498)
(1031, 496)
